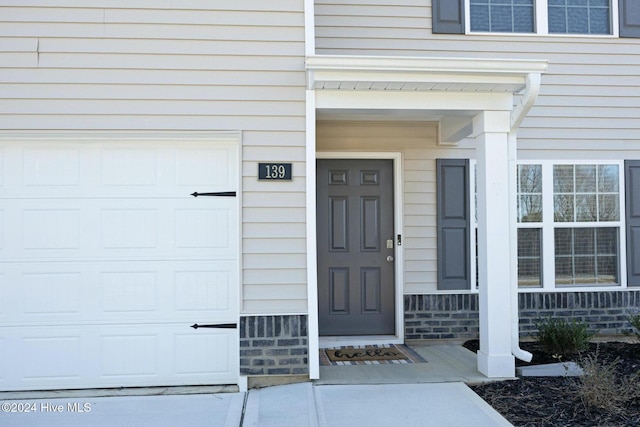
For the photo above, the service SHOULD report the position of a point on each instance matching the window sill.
(552, 35)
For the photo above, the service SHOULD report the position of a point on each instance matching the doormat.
(369, 355)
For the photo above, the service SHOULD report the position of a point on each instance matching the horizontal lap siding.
(183, 65)
(418, 145)
(589, 96)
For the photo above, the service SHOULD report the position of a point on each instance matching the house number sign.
(274, 171)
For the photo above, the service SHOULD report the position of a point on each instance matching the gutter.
(517, 116)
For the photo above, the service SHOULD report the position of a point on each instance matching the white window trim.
(541, 23)
(548, 227)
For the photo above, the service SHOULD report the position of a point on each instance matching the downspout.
(517, 116)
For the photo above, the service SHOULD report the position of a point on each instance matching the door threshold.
(343, 341)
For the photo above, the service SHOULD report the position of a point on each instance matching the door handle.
(390, 258)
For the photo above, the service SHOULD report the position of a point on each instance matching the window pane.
(609, 207)
(479, 17)
(529, 260)
(586, 208)
(585, 179)
(585, 270)
(607, 270)
(563, 241)
(608, 178)
(579, 16)
(501, 19)
(523, 20)
(563, 178)
(529, 208)
(564, 271)
(506, 16)
(578, 20)
(563, 208)
(607, 241)
(529, 184)
(584, 241)
(599, 21)
(586, 256)
(530, 179)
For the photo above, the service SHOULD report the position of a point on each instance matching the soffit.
(416, 74)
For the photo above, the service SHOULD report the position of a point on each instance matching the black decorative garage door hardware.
(218, 194)
(216, 326)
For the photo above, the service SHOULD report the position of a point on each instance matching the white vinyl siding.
(589, 96)
(178, 67)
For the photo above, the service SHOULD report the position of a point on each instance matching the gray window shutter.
(629, 11)
(447, 16)
(632, 202)
(454, 266)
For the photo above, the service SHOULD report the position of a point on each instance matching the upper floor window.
(579, 16)
(505, 16)
(541, 16)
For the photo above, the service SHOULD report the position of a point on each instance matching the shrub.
(560, 338)
(600, 387)
(634, 320)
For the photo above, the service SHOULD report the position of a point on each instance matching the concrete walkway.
(419, 394)
(294, 405)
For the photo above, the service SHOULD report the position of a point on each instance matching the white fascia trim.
(426, 64)
(424, 69)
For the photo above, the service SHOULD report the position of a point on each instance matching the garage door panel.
(107, 229)
(116, 356)
(120, 292)
(117, 169)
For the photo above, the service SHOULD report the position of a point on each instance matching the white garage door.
(106, 261)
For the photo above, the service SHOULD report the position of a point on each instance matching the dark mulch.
(556, 401)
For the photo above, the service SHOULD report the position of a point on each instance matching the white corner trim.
(309, 27)
(312, 257)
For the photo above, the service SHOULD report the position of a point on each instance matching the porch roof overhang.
(450, 91)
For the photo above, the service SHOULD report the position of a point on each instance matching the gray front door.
(356, 247)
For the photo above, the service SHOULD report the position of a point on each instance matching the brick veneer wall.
(274, 345)
(605, 312)
(428, 317)
(456, 316)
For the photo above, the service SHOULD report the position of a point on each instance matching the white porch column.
(494, 234)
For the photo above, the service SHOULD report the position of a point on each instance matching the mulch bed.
(556, 401)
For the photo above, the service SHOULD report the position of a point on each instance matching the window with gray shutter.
(454, 268)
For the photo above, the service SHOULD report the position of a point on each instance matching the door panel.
(356, 286)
